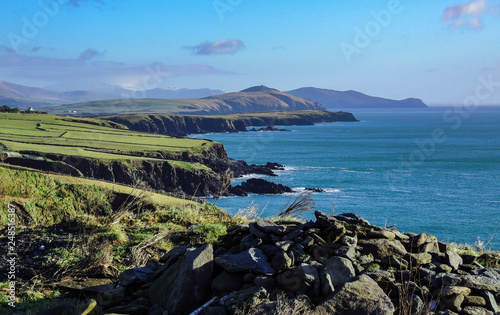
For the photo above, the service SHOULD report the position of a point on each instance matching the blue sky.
(439, 50)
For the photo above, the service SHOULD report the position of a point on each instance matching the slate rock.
(186, 284)
(351, 218)
(381, 248)
(299, 255)
(136, 275)
(339, 270)
(474, 282)
(270, 227)
(444, 268)
(267, 282)
(281, 262)
(252, 296)
(381, 234)
(256, 231)
(291, 280)
(284, 245)
(454, 260)
(451, 290)
(476, 310)
(346, 251)
(474, 300)
(226, 283)
(155, 310)
(308, 273)
(214, 310)
(424, 243)
(453, 303)
(491, 303)
(362, 296)
(174, 253)
(250, 260)
(418, 259)
(326, 285)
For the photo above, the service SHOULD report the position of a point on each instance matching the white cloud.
(468, 14)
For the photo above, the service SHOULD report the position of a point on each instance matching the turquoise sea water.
(435, 171)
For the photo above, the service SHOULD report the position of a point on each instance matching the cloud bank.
(85, 73)
(468, 14)
(218, 47)
(90, 54)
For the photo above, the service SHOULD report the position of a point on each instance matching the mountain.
(23, 96)
(181, 93)
(254, 99)
(332, 99)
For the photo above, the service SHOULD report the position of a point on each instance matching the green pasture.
(85, 137)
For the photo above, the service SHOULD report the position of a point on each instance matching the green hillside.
(256, 99)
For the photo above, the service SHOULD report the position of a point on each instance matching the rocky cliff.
(202, 174)
(181, 125)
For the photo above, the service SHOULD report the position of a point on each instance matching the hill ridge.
(333, 99)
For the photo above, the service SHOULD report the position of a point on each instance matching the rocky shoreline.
(336, 264)
(183, 125)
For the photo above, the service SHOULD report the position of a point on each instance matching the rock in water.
(262, 186)
(186, 284)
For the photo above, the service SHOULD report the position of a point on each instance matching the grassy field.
(89, 138)
(91, 227)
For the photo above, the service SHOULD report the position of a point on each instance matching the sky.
(442, 51)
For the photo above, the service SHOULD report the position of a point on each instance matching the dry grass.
(295, 208)
(250, 213)
(140, 257)
(283, 306)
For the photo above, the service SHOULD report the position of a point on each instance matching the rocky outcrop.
(260, 186)
(334, 265)
(182, 125)
(268, 128)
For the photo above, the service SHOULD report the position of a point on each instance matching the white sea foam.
(401, 190)
(326, 190)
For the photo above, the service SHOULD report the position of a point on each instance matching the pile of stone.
(337, 264)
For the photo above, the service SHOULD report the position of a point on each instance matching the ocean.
(431, 170)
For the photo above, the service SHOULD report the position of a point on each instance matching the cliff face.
(179, 125)
(176, 125)
(172, 176)
(160, 176)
